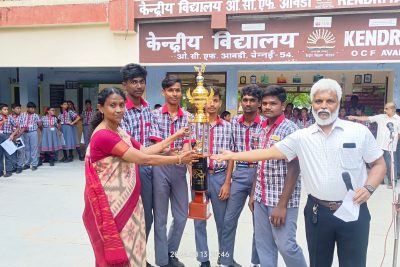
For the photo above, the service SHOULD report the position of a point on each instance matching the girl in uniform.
(68, 118)
(50, 140)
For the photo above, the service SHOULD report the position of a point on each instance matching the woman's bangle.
(179, 160)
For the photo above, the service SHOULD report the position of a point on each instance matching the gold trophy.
(199, 208)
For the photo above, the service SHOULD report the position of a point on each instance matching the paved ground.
(40, 223)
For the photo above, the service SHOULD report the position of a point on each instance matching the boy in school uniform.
(19, 155)
(246, 133)
(137, 122)
(276, 190)
(30, 121)
(169, 181)
(219, 178)
(86, 116)
(7, 131)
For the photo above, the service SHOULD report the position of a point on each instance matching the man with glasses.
(137, 121)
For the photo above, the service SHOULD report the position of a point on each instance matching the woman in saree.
(113, 215)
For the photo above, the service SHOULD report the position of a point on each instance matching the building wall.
(72, 46)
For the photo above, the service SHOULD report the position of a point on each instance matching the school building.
(55, 50)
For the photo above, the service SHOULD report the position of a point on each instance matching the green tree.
(299, 99)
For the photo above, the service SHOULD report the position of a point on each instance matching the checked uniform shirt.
(166, 126)
(138, 121)
(220, 139)
(246, 138)
(30, 121)
(271, 173)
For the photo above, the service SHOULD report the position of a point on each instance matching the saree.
(113, 214)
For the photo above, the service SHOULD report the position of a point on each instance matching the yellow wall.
(69, 46)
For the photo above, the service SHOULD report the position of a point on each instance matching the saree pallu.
(113, 215)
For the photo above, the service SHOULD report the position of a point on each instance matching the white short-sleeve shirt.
(383, 134)
(324, 158)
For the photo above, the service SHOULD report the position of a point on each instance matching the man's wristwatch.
(370, 188)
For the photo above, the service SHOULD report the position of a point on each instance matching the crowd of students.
(43, 137)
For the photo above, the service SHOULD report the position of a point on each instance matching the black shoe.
(81, 158)
(40, 162)
(19, 170)
(34, 168)
(45, 160)
(1, 174)
(69, 159)
(8, 174)
(205, 264)
(148, 264)
(173, 261)
(51, 163)
(25, 167)
(14, 170)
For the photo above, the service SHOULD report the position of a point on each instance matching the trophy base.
(199, 207)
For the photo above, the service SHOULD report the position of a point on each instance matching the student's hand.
(225, 155)
(251, 203)
(224, 192)
(183, 132)
(278, 216)
(188, 157)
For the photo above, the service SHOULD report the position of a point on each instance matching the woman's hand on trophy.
(225, 155)
(188, 157)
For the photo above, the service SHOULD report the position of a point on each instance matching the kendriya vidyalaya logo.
(321, 40)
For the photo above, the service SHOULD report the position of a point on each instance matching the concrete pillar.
(396, 86)
(153, 85)
(5, 87)
(28, 85)
(231, 90)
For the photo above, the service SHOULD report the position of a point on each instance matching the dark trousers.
(351, 238)
(4, 156)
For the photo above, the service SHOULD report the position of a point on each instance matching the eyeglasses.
(136, 82)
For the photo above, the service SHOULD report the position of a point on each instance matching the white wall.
(69, 46)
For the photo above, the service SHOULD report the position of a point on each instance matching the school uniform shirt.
(9, 124)
(67, 116)
(383, 133)
(30, 121)
(323, 158)
(246, 138)
(49, 121)
(220, 139)
(87, 116)
(271, 174)
(138, 121)
(166, 126)
(301, 123)
(17, 119)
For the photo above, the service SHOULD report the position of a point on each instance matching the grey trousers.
(386, 157)
(215, 182)
(86, 134)
(31, 148)
(270, 239)
(5, 158)
(169, 184)
(146, 192)
(242, 181)
(18, 158)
